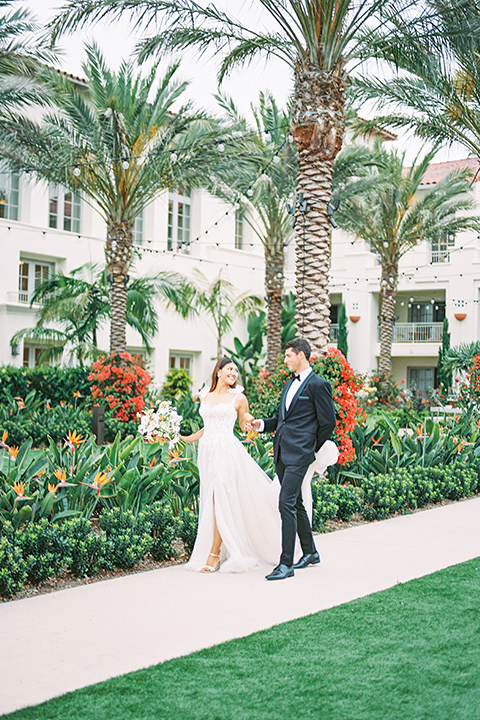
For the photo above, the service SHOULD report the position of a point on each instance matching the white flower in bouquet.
(162, 425)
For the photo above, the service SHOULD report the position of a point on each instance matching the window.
(31, 273)
(64, 209)
(441, 248)
(238, 230)
(426, 312)
(179, 209)
(181, 361)
(31, 356)
(137, 234)
(9, 195)
(423, 379)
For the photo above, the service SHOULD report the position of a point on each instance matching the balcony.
(417, 332)
(20, 296)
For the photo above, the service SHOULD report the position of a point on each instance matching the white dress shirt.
(292, 391)
(296, 385)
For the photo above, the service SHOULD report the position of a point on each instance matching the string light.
(77, 171)
(221, 147)
(173, 156)
(125, 164)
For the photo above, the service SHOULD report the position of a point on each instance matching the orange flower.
(174, 457)
(251, 435)
(13, 451)
(60, 474)
(77, 394)
(73, 439)
(19, 488)
(376, 442)
(51, 488)
(20, 403)
(152, 461)
(99, 480)
(4, 436)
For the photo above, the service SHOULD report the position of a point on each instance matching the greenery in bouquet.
(119, 382)
(160, 425)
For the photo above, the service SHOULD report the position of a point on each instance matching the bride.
(239, 525)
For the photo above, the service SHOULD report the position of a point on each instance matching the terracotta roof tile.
(437, 171)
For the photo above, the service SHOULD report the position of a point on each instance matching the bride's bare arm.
(244, 417)
(192, 438)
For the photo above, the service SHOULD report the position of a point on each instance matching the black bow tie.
(297, 377)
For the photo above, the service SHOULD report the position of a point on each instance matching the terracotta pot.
(460, 316)
(354, 318)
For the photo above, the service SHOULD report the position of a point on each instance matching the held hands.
(253, 425)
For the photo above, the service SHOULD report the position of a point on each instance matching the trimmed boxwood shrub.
(13, 568)
(129, 535)
(88, 550)
(188, 529)
(165, 527)
(45, 551)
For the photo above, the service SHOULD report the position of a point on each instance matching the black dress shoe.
(309, 559)
(280, 572)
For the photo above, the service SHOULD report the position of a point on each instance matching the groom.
(304, 420)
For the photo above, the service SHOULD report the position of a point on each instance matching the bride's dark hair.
(219, 365)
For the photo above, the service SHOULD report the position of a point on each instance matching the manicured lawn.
(408, 653)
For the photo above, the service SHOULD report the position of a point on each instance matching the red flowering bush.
(470, 391)
(119, 382)
(345, 383)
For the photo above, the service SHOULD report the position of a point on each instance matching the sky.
(117, 41)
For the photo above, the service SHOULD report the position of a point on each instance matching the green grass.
(408, 653)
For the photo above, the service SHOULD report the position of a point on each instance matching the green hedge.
(42, 550)
(51, 384)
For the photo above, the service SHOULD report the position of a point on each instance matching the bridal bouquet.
(161, 425)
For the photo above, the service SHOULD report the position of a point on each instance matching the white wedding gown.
(235, 491)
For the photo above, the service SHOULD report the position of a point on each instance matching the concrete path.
(66, 640)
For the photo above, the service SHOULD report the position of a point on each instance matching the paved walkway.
(66, 640)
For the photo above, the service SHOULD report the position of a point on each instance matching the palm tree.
(317, 39)
(112, 142)
(220, 301)
(265, 186)
(384, 207)
(80, 303)
(434, 84)
(21, 53)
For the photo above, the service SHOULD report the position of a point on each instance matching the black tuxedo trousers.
(299, 432)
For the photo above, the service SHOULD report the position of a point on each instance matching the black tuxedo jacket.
(302, 429)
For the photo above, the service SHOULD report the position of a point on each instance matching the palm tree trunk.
(318, 124)
(388, 292)
(118, 252)
(274, 285)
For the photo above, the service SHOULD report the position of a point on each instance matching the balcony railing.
(20, 296)
(417, 332)
(333, 332)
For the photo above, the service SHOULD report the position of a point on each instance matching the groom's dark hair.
(299, 344)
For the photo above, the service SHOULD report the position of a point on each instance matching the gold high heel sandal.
(211, 568)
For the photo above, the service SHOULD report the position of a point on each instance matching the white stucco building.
(44, 227)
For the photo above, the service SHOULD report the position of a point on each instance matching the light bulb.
(125, 164)
(249, 192)
(221, 147)
(173, 156)
(276, 158)
(268, 136)
(76, 171)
